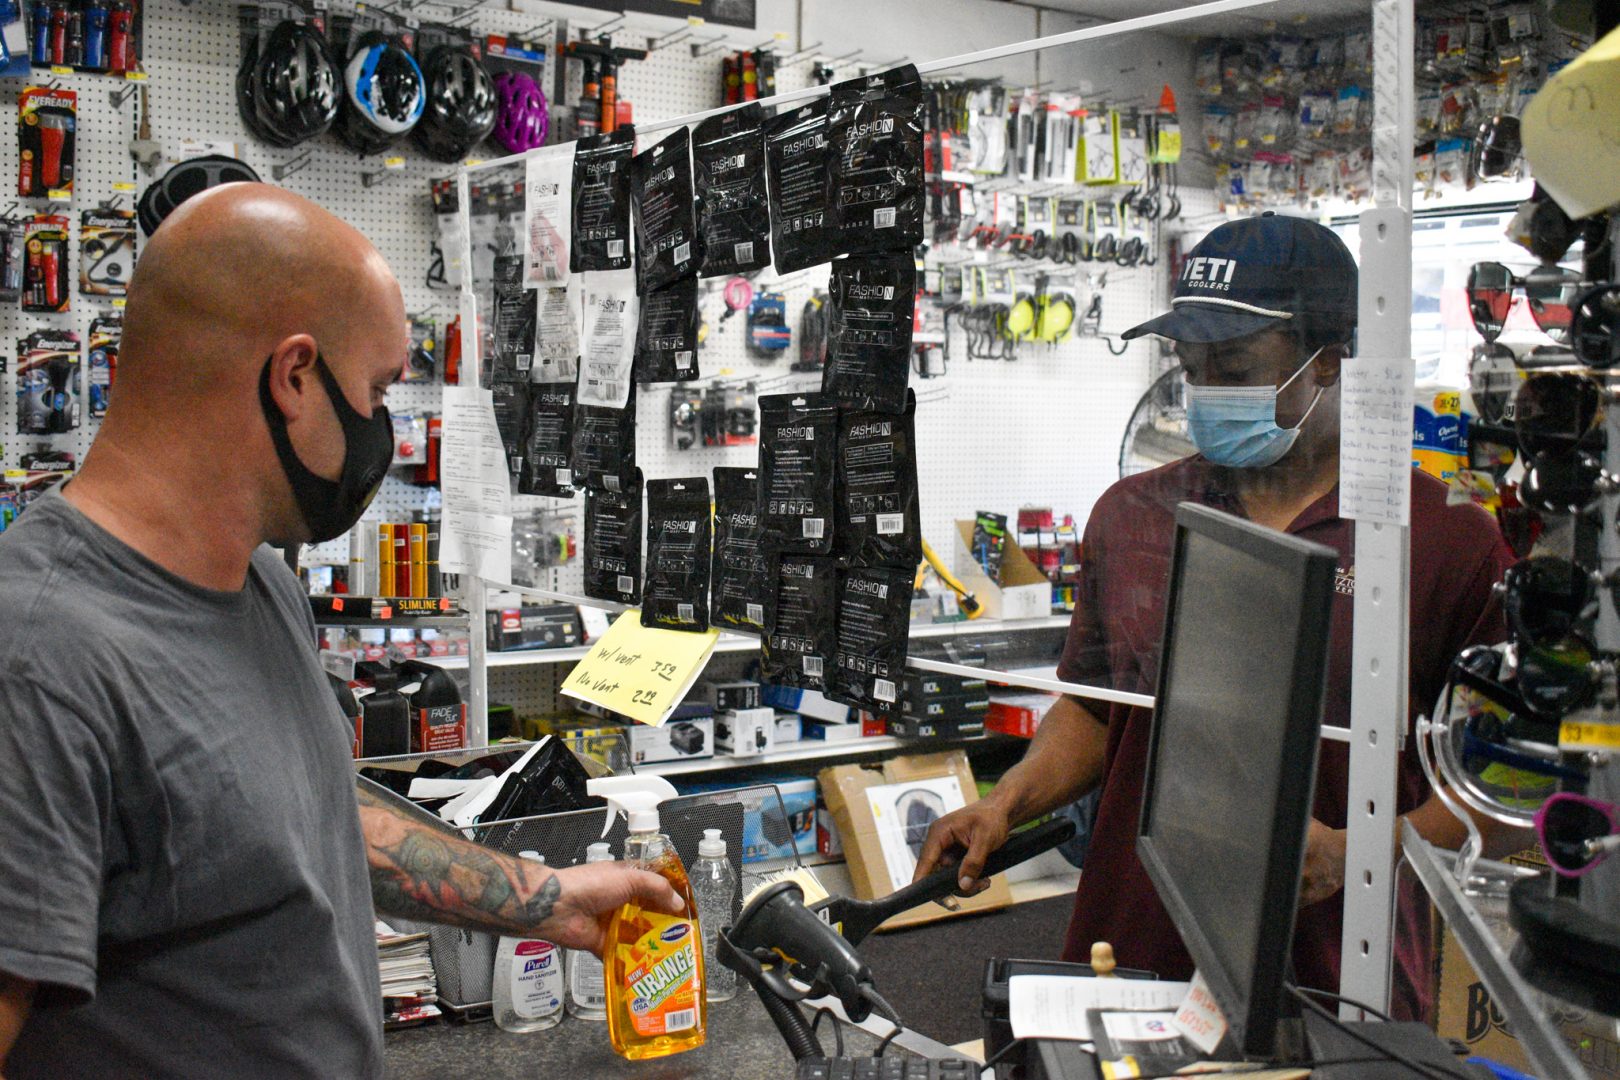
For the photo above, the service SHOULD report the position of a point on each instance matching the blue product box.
(765, 834)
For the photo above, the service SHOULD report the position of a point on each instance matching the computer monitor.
(1231, 771)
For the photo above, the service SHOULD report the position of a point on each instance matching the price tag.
(385, 612)
(60, 195)
(694, 20)
(337, 603)
(120, 303)
(638, 671)
(1587, 735)
(59, 69)
(338, 664)
(135, 76)
(473, 162)
(123, 185)
(394, 163)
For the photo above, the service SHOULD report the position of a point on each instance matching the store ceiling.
(1258, 20)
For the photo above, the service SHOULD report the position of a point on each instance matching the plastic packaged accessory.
(740, 580)
(797, 463)
(613, 543)
(676, 590)
(601, 201)
(875, 174)
(728, 153)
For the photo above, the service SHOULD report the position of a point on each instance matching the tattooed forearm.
(419, 870)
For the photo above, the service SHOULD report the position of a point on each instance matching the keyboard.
(896, 1067)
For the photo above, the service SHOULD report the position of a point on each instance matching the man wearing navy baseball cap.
(1263, 318)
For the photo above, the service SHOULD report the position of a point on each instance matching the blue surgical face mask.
(1236, 426)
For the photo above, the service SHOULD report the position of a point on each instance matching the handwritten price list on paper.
(1375, 440)
(638, 671)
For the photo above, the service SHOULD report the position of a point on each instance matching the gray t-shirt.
(181, 863)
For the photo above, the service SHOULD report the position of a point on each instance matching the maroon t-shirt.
(1113, 641)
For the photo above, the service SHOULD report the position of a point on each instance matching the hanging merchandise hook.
(118, 97)
(606, 28)
(674, 37)
(801, 54)
(709, 46)
(296, 165)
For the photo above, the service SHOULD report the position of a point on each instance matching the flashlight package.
(607, 344)
(798, 448)
(11, 260)
(796, 154)
(728, 153)
(549, 442)
(604, 457)
(675, 595)
(45, 264)
(514, 322)
(741, 576)
(106, 332)
(878, 522)
(48, 387)
(869, 324)
(613, 543)
(665, 213)
(511, 417)
(801, 626)
(874, 621)
(601, 202)
(875, 172)
(106, 251)
(666, 340)
(46, 120)
(556, 338)
(423, 360)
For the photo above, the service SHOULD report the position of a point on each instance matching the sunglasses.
(1550, 292)
(1577, 832)
(1595, 330)
(1493, 376)
(1553, 680)
(1498, 150)
(1557, 412)
(1547, 599)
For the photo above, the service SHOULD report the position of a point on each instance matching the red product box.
(1018, 715)
(872, 726)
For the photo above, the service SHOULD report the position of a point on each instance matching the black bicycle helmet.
(383, 95)
(461, 106)
(246, 105)
(183, 181)
(296, 88)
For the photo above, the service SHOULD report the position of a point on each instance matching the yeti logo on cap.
(1208, 272)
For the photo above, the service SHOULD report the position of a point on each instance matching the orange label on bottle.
(661, 975)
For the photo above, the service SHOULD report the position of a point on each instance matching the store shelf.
(393, 613)
(815, 751)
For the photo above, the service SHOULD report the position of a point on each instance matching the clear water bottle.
(587, 984)
(714, 887)
(527, 994)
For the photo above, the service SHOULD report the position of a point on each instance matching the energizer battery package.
(46, 121)
(666, 340)
(796, 156)
(874, 624)
(801, 623)
(48, 383)
(665, 214)
(106, 251)
(514, 322)
(798, 448)
(106, 334)
(549, 442)
(675, 595)
(878, 522)
(728, 152)
(607, 342)
(601, 196)
(604, 455)
(613, 543)
(875, 173)
(869, 322)
(741, 576)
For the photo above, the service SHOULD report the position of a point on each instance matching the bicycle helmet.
(383, 95)
(295, 85)
(183, 181)
(461, 104)
(246, 105)
(524, 117)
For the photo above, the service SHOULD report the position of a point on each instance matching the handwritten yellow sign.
(638, 671)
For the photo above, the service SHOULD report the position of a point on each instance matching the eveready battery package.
(741, 577)
(665, 214)
(604, 455)
(613, 543)
(801, 626)
(869, 325)
(549, 442)
(548, 189)
(106, 332)
(874, 622)
(675, 595)
(422, 363)
(607, 343)
(514, 322)
(45, 264)
(875, 173)
(48, 388)
(106, 251)
(878, 521)
(728, 152)
(667, 337)
(798, 447)
(796, 155)
(601, 201)
(46, 122)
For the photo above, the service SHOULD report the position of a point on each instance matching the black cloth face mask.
(331, 507)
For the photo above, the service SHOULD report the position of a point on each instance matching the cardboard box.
(907, 727)
(821, 731)
(1018, 714)
(971, 706)
(788, 728)
(882, 811)
(921, 685)
(745, 732)
(828, 840)
(765, 834)
(729, 696)
(1024, 592)
(534, 626)
(810, 704)
(677, 740)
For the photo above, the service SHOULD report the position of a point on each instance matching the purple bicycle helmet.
(524, 116)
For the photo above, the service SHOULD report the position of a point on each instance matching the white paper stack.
(409, 985)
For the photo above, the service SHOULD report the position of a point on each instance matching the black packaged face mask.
(741, 576)
(874, 624)
(604, 456)
(798, 447)
(515, 308)
(666, 339)
(869, 331)
(676, 596)
(601, 225)
(801, 624)
(878, 522)
(875, 174)
(665, 215)
(613, 543)
(512, 421)
(796, 155)
(728, 152)
(546, 468)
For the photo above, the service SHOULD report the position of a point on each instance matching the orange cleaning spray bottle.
(653, 961)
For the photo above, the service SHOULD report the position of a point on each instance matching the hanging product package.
(666, 339)
(798, 449)
(741, 578)
(548, 187)
(875, 174)
(45, 272)
(801, 622)
(511, 401)
(601, 202)
(796, 154)
(874, 624)
(48, 388)
(106, 334)
(607, 344)
(878, 522)
(514, 322)
(728, 152)
(604, 455)
(556, 334)
(47, 119)
(106, 251)
(675, 595)
(664, 211)
(613, 543)
(869, 326)
(549, 442)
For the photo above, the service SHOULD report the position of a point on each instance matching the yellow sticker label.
(394, 163)
(473, 162)
(135, 76)
(120, 303)
(661, 975)
(123, 185)
(1586, 735)
(60, 194)
(59, 69)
